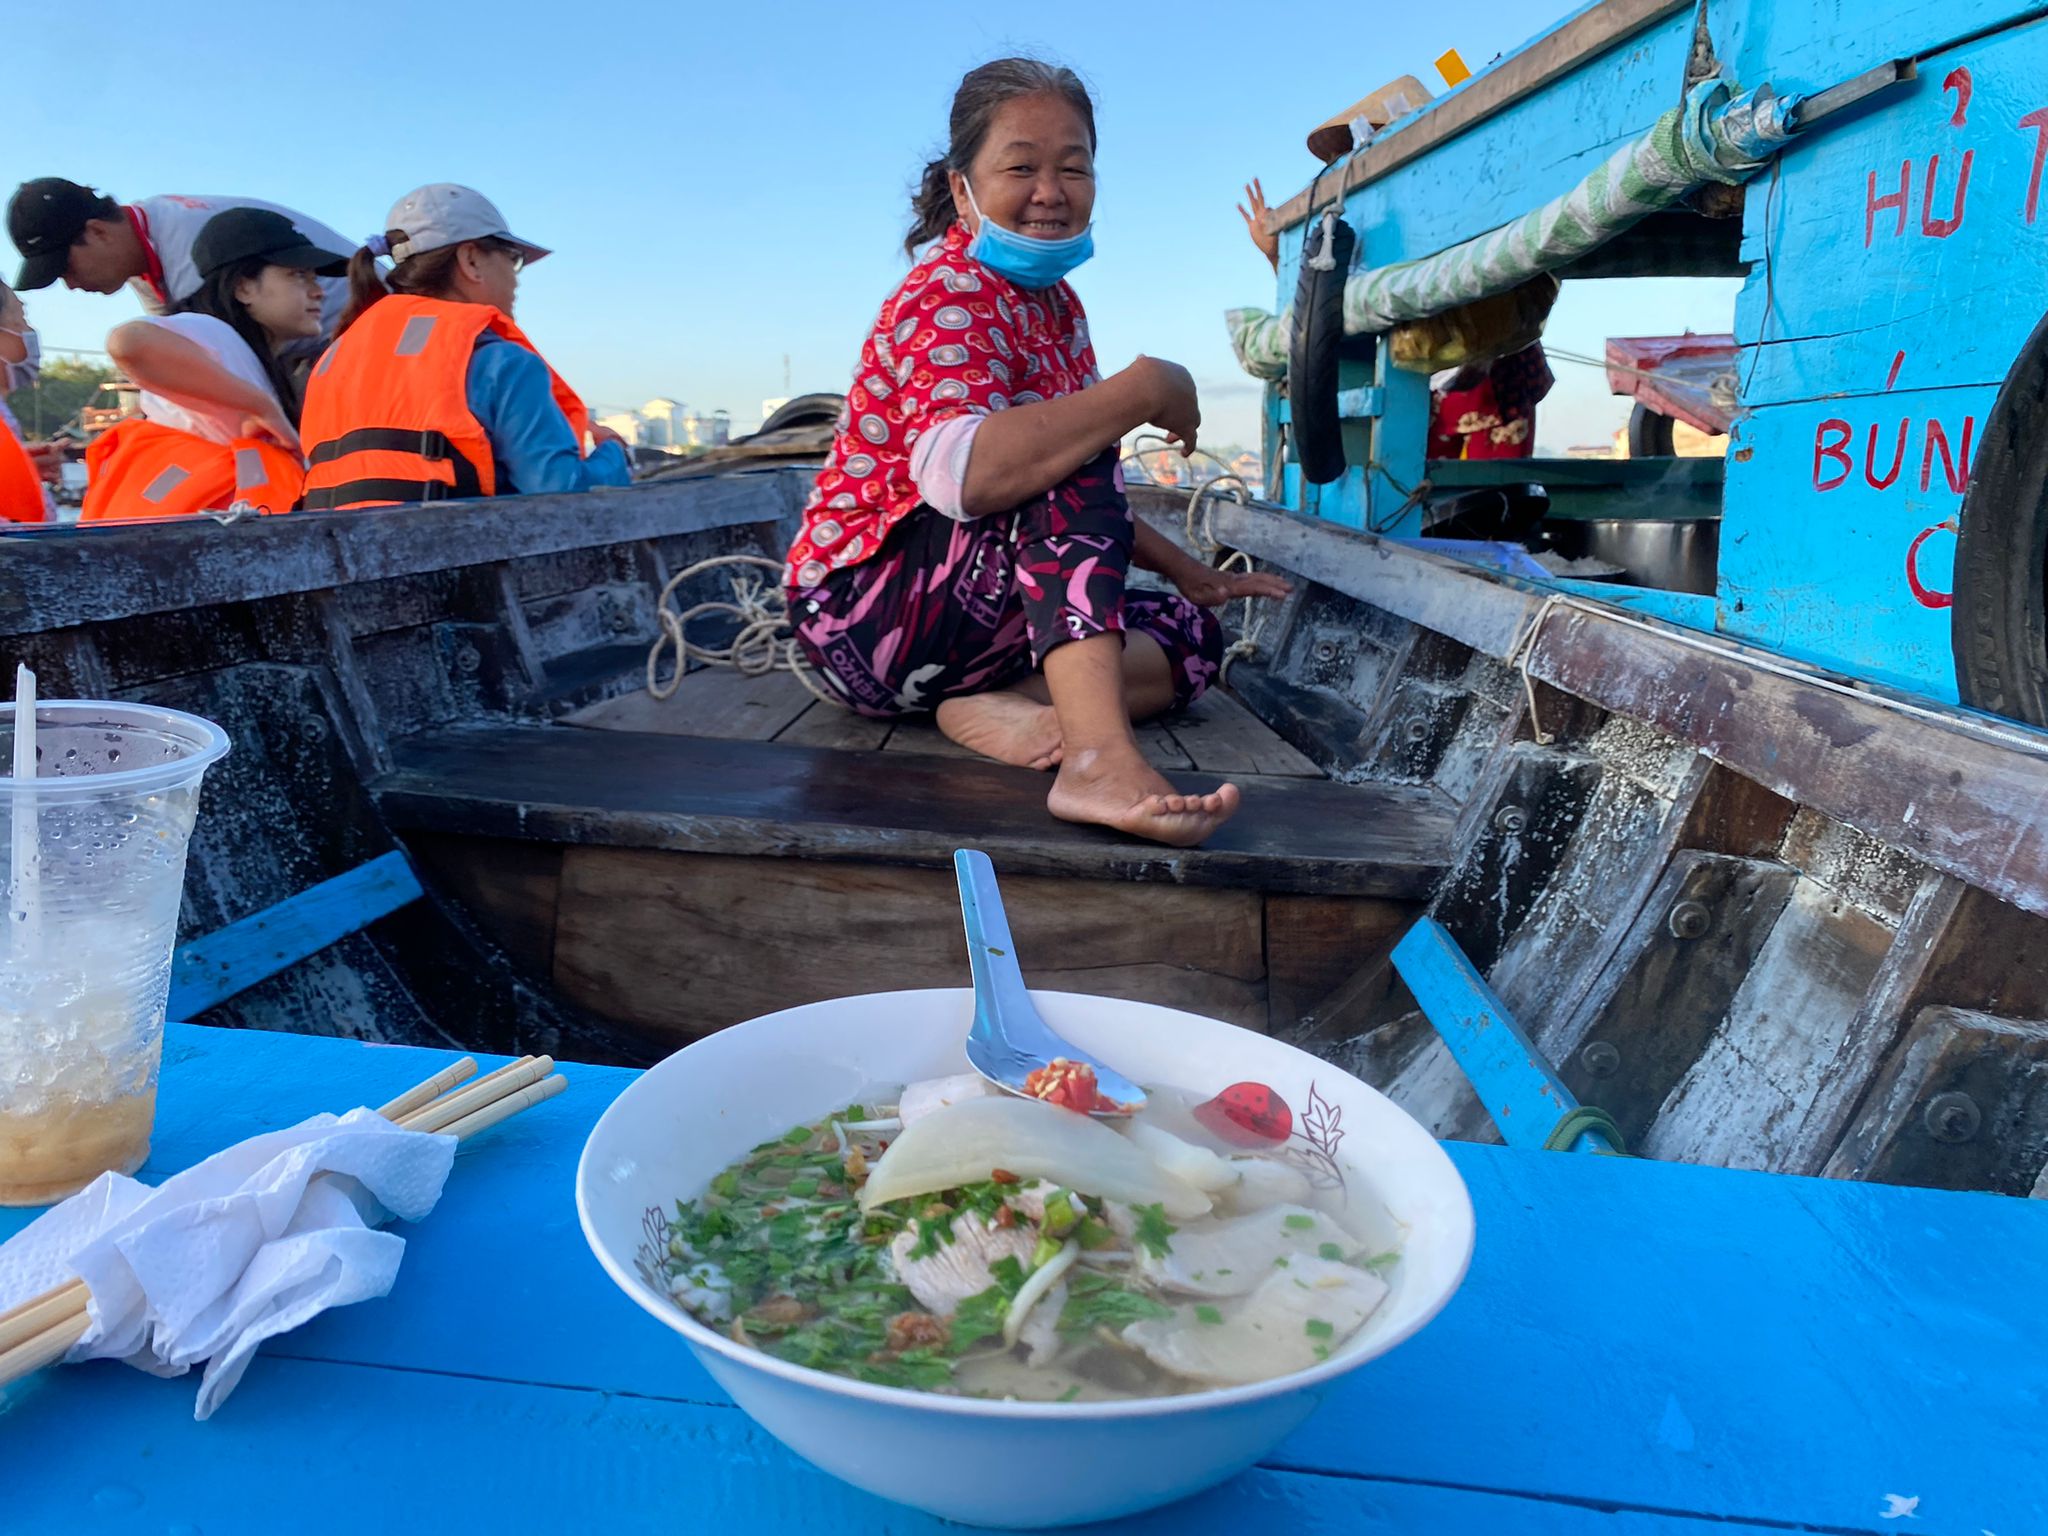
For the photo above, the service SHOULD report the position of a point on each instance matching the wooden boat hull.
(1764, 918)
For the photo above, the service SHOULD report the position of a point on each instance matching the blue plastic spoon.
(1009, 1041)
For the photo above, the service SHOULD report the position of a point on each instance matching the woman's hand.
(1171, 402)
(1255, 222)
(272, 427)
(48, 459)
(600, 435)
(1211, 588)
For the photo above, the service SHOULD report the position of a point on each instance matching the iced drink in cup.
(92, 848)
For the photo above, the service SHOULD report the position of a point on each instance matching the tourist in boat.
(95, 244)
(220, 400)
(24, 466)
(430, 391)
(966, 546)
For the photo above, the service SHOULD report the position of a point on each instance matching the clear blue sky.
(726, 185)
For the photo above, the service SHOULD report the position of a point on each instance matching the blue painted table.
(1641, 1347)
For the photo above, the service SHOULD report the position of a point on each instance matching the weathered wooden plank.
(1661, 999)
(1847, 1074)
(511, 888)
(82, 575)
(1756, 1081)
(1543, 62)
(1856, 868)
(1471, 606)
(715, 702)
(1963, 1104)
(1858, 756)
(681, 944)
(743, 797)
(1314, 945)
(1616, 853)
(1514, 836)
(1219, 735)
(826, 725)
(920, 735)
(1607, 1384)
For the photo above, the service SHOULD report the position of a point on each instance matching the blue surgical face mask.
(1024, 259)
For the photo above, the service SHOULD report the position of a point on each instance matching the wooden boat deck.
(1215, 735)
(816, 847)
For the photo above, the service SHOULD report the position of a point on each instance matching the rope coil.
(1201, 534)
(763, 643)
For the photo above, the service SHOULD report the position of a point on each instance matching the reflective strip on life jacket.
(139, 470)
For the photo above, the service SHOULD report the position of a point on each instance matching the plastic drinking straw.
(24, 896)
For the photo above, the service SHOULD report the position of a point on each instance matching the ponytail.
(982, 93)
(931, 208)
(428, 274)
(365, 287)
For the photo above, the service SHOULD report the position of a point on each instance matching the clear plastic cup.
(92, 855)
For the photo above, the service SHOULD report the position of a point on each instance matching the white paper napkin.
(254, 1241)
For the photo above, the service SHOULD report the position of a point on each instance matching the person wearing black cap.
(95, 244)
(220, 404)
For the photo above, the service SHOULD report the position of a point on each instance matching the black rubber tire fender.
(813, 410)
(1649, 434)
(1313, 344)
(1998, 619)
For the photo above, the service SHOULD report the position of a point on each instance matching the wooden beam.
(691, 794)
(1550, 58)
(1956, 791)
(233, 959)
(66, 576)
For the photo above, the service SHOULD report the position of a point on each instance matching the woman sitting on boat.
(966, 546)
(219, 402)
(430, 391)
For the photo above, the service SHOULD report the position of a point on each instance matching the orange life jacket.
(387, 417)
(21, 488)
(138, 470)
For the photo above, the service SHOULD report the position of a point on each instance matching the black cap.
(241, 233)
(44, 221)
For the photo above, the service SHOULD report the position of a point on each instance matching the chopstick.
(38, 1331)
(444, 1112)
(424, 1093)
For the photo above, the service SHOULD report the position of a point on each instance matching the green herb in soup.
(961, 1242)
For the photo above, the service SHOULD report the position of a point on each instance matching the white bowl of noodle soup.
(685, 1120)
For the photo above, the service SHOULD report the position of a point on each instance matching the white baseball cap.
(444, 214)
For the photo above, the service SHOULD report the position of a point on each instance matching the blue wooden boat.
(1759, 869)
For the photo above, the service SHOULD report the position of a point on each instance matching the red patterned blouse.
(955, 339)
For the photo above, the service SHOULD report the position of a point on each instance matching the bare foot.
(1008, 726)
(1127, 793)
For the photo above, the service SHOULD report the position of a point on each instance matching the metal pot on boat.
(1671, 554)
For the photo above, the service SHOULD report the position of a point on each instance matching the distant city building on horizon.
(670, 425)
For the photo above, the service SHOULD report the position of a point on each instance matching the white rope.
(1202, 535)
(1518, 660)
(763, 644)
